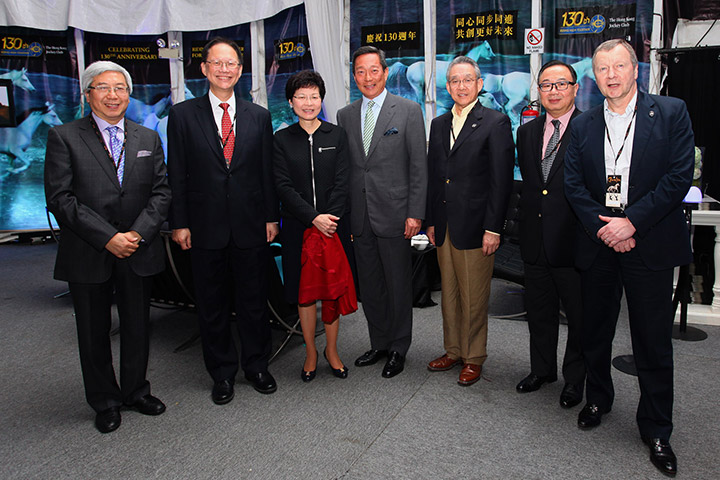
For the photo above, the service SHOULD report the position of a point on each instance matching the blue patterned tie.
(115, 149)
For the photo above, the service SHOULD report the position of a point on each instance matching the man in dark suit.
(105, 183)
(388, 186)
(547, 237)
(225, 212)
(628, 166)
(470, 160)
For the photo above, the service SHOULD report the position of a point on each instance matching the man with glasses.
(225, 213)
(547, 237)
(628, 166)
(470, 160)
(105, 183)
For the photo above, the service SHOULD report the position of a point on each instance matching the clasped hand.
(326, 223)
(123, 244)
(617, 233)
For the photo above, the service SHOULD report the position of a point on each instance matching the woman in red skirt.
(311, 175)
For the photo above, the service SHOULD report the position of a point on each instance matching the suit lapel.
(88, 135)
(536, 143)
(645, 122)
(596, 145)
(445, 129)
(240, 117)
(206, 121)
(472, 124)
(131, 148)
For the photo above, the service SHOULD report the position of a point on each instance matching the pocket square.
(144, 153)
(392, 131)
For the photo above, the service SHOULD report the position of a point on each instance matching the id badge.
(612, 191)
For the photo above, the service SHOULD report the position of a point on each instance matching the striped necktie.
(369, 126)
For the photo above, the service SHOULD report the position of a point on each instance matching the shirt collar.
(564, 118)
(628, 110)
(465, 111)
(102, 124)
(379, 100)
(215, 101)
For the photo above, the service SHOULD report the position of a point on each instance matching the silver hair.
(98, 68)
(464, 59)
(608, 45)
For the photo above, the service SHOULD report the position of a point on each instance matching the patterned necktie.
(115, 150)
(550, 151)
(228, 137)
(369, 126)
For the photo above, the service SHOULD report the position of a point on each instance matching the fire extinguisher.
(530, 112)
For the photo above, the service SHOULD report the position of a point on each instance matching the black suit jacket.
(83, 192)
(294, 176)
(545, 214)
(661, 172)
(218, 204)
(469, 186)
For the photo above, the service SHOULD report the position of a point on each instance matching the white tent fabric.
(326, 23)
(137, 17)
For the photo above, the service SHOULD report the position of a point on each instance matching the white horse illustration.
(138, 110)
(515, 87)
(19, 79)
(14, 141)
(415, 73)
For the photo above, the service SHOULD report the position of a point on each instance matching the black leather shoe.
(108, 420)
(338, 372)
(370, 357)
(148, 405)
(263, 382)
(532, 382)
(394, 365)
(590, 416)
(571, 395)
(223, 392)
(306, 375)
(662, 456)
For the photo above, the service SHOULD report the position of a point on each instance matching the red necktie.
(228, 137)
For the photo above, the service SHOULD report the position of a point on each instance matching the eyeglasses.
(302, 98)
(468, 82)
(105, 89)
(230, 64)
(559, 86)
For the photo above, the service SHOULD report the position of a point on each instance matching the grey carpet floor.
(419, 425)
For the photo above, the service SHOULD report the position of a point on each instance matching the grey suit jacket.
(391, 181)
(83, 192)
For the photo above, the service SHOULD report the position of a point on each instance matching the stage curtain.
(131, 17)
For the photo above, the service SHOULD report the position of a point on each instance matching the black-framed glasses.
(559, 86)
(105, 89)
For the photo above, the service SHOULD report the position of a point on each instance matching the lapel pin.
(474, 125)
(651, 113)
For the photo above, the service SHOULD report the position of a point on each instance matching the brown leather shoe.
(469, 374)
(443, 363)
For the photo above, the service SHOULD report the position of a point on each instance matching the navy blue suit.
(660, 175)
(226, 210)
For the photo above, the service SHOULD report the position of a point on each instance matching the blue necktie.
(115, 150)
